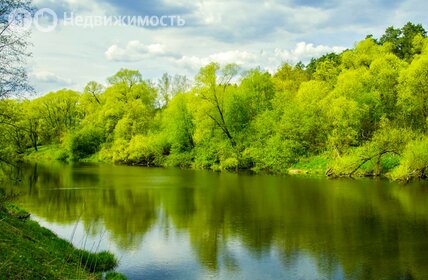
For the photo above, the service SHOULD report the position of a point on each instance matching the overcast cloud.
(251, 33)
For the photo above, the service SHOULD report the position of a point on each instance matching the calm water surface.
(184, 224)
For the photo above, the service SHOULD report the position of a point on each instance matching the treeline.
(362, 112)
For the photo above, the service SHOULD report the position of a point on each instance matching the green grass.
(29, 251)
(95, 158)
(56, 152)
(312, 165)
(115, 276)
(47, 153)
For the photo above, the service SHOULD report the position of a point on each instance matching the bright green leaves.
(414, 162)
(413, 94)
(360, 107)
(403, 40)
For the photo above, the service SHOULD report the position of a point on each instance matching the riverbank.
(317, 165)
(29, 251)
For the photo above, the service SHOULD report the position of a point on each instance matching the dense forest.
(361, 112)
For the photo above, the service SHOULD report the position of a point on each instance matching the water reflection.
(238, 226)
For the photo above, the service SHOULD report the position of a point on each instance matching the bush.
(141, 150)
(414, 161)
(375, 157)
(230, 164)
(206, 155)
(85, 143)
(177, 159)
(146, 150)
(275, 155)
(62, 155)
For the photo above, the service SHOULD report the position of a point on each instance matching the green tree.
(59, 112)
(212, 88)
(402, 39)
(413, 94)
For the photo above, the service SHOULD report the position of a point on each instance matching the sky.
(251, 33)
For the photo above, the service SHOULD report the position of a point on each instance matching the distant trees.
(402, 40)
(363, 111)
(169, 86)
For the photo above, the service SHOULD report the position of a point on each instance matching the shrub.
(85, 143)
(146, 150)
(276, 155)
(414, 161)
(62, 155)
(230, 164)
(141, 150)
(184, 159)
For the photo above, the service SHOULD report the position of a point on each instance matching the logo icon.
(20, 19)
(45, 20)
(48, 18)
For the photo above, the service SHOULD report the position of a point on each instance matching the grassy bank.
(316, 165)
(46, 153)
(56, 152)
(29, 251)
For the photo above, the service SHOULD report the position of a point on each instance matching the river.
(192, 224)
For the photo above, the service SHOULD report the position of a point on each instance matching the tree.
(212, 88)
(31, 122)
(128, 85)
(178, 124)
(413, 94)
(59, 112)
(383, 81)
(94, 89)
(414, 162)
(289, 78)
(85, 142)
(12, 133)
(126, 77)
(387, 141)
(402, 39)
(13, 49)
(164, 85)
(170, 86)
(330, 58)
(258, 88)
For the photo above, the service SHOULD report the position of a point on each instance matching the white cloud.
(251, 33)
(49, 78)
(268, 60)
(136, 51)
(76, 6)
(235, 56)
(304, 51)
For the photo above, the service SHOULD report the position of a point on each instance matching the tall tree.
(13, 48)
(211, 88)
(402, 39)
(169, 86)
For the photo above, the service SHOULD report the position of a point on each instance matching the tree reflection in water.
(367, 229)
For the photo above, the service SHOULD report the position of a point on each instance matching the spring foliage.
(366, 109)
